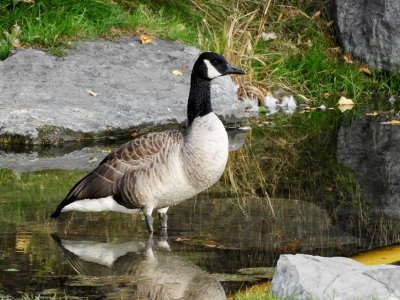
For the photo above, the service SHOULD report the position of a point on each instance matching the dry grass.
(236, 37)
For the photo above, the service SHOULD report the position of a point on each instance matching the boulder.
(369, 30)
(102, 87)
(303, 276)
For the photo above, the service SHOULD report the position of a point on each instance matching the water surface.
(212, 239)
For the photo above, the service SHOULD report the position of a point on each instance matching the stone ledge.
(46, 99)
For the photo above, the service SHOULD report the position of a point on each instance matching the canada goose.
(161, 169)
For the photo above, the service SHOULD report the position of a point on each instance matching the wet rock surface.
(100, 87)
(303, 276)
(370, 148)
(76, 156)
(369, 30)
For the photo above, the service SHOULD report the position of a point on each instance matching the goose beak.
(233, 70)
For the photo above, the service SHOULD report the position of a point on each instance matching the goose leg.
(149, 219)
(162, 212)
(149, 223)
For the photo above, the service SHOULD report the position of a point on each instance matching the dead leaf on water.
(146, 39)
(345, 104)
(182, 239)
(391, 122)
(345, 101)
(177, 72)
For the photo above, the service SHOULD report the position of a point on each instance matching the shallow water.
(210, 239)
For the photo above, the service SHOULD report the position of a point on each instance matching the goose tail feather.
(92, 186)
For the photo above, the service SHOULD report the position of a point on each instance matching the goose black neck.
(199, 103)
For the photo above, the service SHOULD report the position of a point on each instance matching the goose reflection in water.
(150, 270)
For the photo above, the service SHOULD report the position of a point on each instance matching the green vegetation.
(303, 59)
(257, 292)
(32, 196)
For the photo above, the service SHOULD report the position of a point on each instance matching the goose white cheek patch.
(212, 72)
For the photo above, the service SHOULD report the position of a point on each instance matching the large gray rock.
(369, 30)
(303, 276)
(370, 148)
(46, 98)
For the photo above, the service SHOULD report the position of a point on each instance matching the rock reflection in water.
(139, 269)
(371, 150)
(72, 157)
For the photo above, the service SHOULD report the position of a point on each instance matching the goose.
(160, 169)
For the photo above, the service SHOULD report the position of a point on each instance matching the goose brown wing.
(133, 156)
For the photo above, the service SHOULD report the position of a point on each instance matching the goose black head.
(211, 65)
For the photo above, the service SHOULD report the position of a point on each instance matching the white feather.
(96, 205)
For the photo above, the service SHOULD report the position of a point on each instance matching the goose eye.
(215, 61)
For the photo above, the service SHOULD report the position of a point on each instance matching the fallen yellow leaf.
(347, 58)
(364, 69)
(91, 93)
(334, 49)
(146, 39)
(180, 27)
(316, 15)
(93, 159)
(177, 72)
(372, 114)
